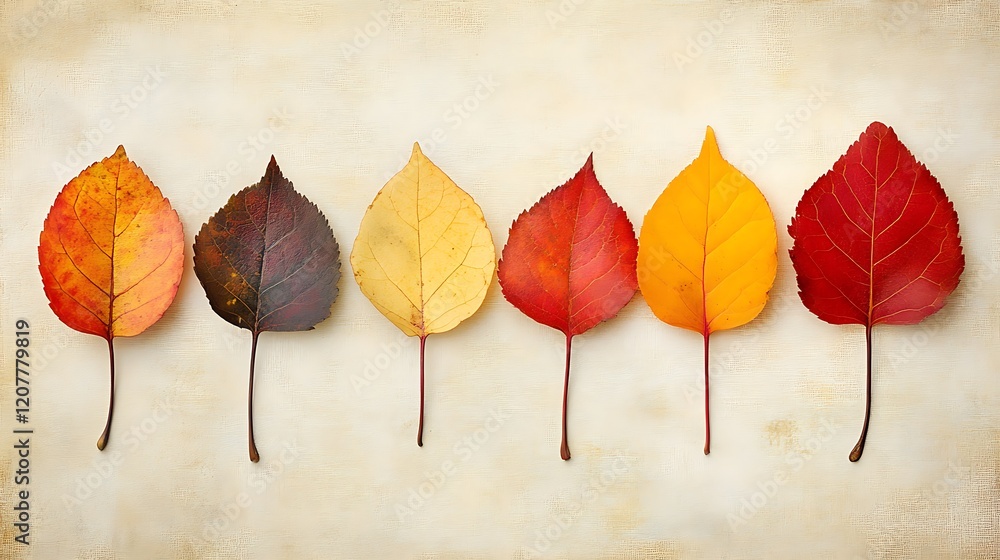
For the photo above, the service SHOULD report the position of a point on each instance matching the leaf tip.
(120, 152)
(273, 175)
(587, 171)
(272, 167)
(710, 143)
(878, 131)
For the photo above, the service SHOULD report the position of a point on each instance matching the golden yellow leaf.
(708, 249)
(423, 255)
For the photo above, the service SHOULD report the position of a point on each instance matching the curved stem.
(420, 423)
(859, 448)
(708, 425)
(254, 456)
(564, 448)
(102, 442)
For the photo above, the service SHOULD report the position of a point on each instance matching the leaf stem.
(254, 456)
(102, 442)
(708, 425)
(564, 448)
(420, 423)
(859, 448)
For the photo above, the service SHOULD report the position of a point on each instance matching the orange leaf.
(708, 250)
(111, 254)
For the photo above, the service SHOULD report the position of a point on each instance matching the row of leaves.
(875, 241)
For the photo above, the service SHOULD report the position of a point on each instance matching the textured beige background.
(338, 92)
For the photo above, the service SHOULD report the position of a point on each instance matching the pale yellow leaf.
(424, 255)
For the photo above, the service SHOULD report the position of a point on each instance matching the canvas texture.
(509, 99)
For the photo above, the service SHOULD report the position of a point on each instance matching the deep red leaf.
(570, 261)
(875, 241)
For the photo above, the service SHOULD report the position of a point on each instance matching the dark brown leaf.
(268, 262)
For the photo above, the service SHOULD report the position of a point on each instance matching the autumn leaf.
(268, 262)
(875, 242)
(708, 251)
(569, 262)
(423, 255)
(111, 254)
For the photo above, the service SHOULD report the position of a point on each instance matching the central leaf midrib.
(263, 251)
(420, 258)
(704, 252)
(569, 271)
(871, 246)
(114, 238)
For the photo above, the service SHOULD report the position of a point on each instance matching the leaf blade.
(886, 223)
(424, 255)
(268, 259)
(708, 247)
(111, 251)
(569, 262)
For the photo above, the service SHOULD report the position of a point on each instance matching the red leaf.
(875, 241)
(569, 262)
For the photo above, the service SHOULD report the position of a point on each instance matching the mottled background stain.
(509, 99)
